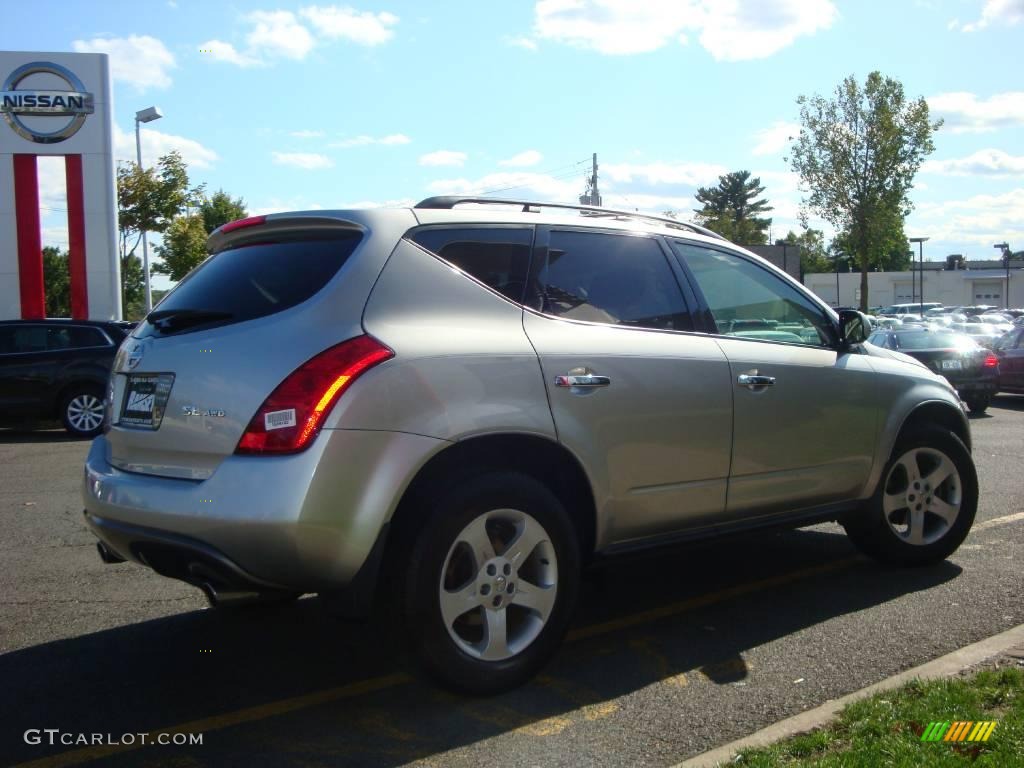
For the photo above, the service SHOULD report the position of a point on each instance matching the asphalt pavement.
(670, 655)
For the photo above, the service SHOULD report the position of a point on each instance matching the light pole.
(920, 247)
(1005, 248)
(147, 115)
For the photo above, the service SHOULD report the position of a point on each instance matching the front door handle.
(582, 380)
(753, 381)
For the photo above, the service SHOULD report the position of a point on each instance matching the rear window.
(933, 341)
(251, 281)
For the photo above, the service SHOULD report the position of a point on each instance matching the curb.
(944, 666)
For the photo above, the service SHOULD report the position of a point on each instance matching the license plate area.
(952, 365)
(145, 398)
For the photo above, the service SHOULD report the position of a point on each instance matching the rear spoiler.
(277, 226)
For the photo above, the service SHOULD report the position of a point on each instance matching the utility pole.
(592, 196)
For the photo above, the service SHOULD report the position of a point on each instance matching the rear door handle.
(754, 381)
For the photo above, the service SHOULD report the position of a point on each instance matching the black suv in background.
(57, 369)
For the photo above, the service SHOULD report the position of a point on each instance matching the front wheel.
(491, 583)
(81, 411)
(925, 504)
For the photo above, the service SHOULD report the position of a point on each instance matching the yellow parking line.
(272, 709)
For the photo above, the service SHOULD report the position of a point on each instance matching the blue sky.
(295, 106)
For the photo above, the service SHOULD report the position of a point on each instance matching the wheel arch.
(542, 458)
(76, 382)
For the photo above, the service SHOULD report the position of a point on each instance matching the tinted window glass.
(6, 340)
(81, 336)
(255, 280)
(30, 338)
(616, 279)
(498, 257)
(749, 301)
(925, 340)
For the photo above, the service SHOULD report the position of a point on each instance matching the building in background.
(974, 282)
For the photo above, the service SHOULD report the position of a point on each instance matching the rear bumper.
(307, 522)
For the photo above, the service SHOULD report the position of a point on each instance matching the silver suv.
(449, 410)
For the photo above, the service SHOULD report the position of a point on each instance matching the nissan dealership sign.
(73, 102)
(58, 104)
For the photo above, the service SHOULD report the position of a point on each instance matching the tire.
(81, 411)
(979, 404)
(489, 582)
(887, 528)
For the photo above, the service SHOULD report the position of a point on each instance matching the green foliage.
(148, 201)
(731, 210)
(133, 288)
(857, 154)
(813, 254)
(886, 729)
(219, 208)
(184, 247)
(57, 281)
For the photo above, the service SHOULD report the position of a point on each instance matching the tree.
(148, 201)
(57, 280)
(813, 254)
(730, 209)
(184, 247)
(218, 209)
(857, 155)
(889, 249)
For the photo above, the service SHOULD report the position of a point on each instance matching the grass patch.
(885, 730)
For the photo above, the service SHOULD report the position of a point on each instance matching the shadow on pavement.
(44, 433)
(196, 665)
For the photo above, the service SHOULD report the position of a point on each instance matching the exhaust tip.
(107, 555)
(223, 599)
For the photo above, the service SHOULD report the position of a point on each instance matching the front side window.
(615, 279)
(749, 301)
(499, 257)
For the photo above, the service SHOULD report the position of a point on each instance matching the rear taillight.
(292, 416)
(991, 361)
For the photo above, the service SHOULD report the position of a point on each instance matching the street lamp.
(920, 247)
(147, 115)
(1005, 248)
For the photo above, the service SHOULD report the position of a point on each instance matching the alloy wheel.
(923, 495)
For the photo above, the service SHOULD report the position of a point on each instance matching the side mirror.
(853, 328)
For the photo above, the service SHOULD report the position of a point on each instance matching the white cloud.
(523, 159)
(278, 33)
(523, 42)
(513, 184)
(140, 61)
(307, 134)
(443, 157)
(689, 174)
(964, 112)
(308, 161)
(730, 31)
(984, 162)
(361, 27)
(363, 141)
(1005, 13)
(155, 144)
(221, 51)
(773, 140)
(981, 219)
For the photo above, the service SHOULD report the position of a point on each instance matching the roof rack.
(447, 202)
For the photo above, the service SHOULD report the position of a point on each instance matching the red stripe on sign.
(76, 237)
(30, 238)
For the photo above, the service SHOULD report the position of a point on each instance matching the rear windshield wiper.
(168, 319)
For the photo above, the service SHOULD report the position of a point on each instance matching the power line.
(573, 172)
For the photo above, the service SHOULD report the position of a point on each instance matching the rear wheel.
(978, 403)
(925, 504)
(81, 410)
(490, 583)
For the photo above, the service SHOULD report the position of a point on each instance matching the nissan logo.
(75, 103)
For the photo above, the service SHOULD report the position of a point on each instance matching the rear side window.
(79, 337)
(498, 257)
(615, 279)
(252, 281)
